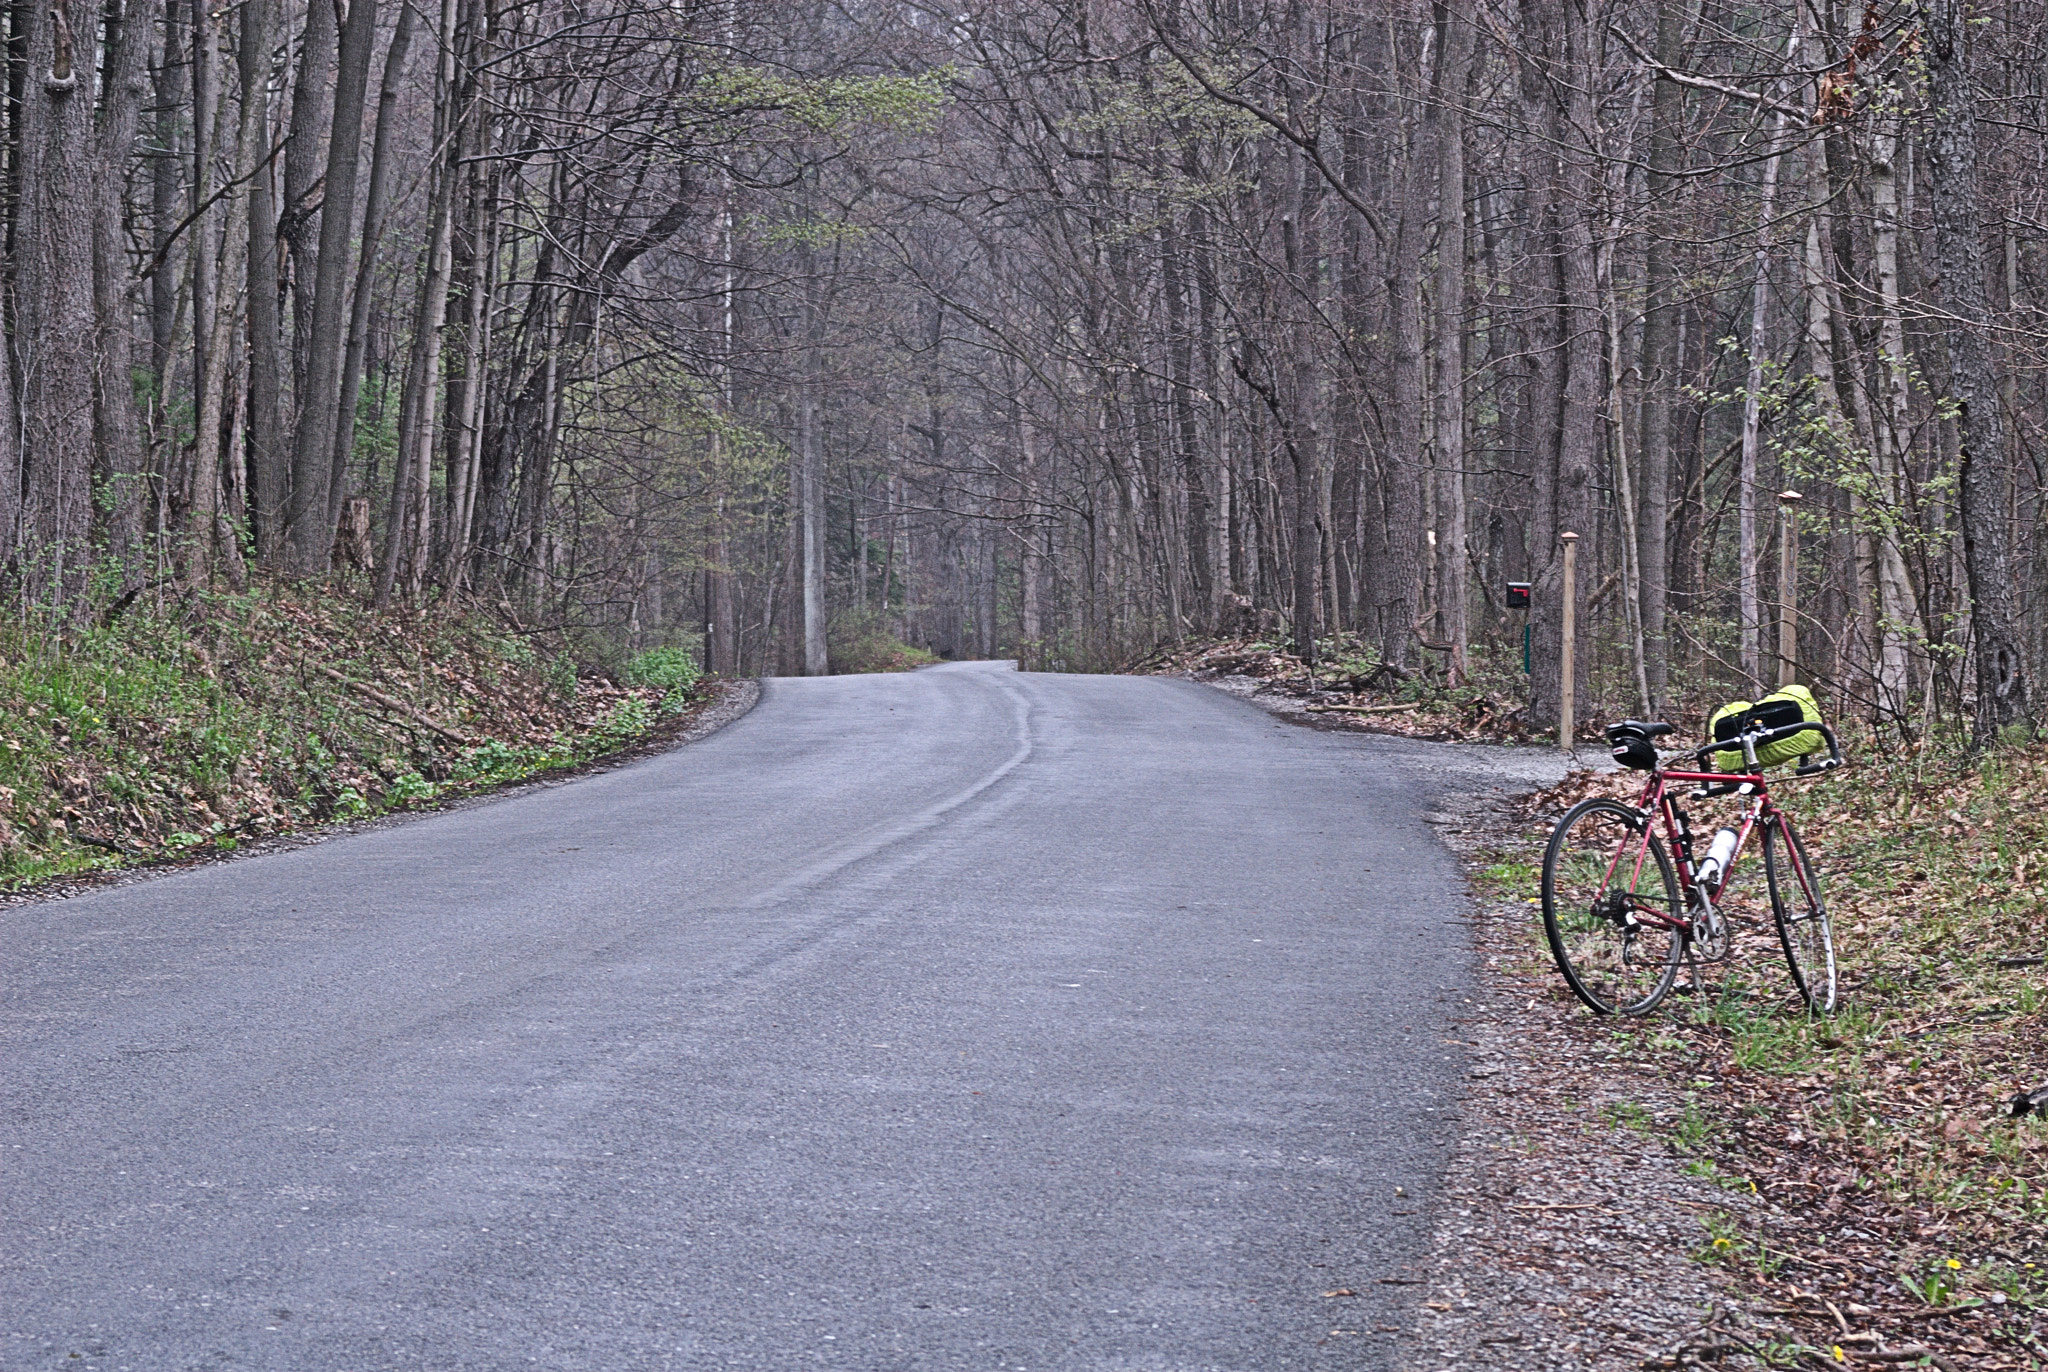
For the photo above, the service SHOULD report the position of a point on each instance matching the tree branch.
(1704, 83)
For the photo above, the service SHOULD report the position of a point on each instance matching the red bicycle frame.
(1678, 826)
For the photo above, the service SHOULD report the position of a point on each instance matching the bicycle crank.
(1710, 934)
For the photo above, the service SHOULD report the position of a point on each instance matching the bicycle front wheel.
(1610, 908)
(1801, 913)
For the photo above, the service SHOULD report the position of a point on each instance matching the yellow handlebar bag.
(1791, 705)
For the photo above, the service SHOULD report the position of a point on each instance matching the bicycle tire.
(1615, 966)
(1801, 913)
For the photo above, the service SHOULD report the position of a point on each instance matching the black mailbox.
(1518, 595)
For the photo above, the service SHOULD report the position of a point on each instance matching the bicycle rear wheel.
(1607, 890)
(1801, 913)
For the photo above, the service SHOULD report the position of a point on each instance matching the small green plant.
(410, 788)
(561, 675)
(672, 671)
(1935, 1287)
(1510, 875)
(1726, 1243)
(621, 724)
(491, 760)
(1693, 1128)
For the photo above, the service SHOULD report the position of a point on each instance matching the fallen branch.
(376, 696)
(2022, 962)
(121, 848)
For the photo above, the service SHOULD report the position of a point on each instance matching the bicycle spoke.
(1605, 886)
(1801, 915)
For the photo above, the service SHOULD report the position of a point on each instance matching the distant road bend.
(963, 1019)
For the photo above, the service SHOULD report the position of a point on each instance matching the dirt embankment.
(194, 728)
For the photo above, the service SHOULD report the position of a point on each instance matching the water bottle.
(1716, 860)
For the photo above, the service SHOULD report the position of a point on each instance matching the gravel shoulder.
(1565, 1230)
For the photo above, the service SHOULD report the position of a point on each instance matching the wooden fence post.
(1566, 687)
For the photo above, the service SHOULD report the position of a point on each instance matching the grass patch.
(203, 720)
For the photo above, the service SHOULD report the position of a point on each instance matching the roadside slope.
(194, 726)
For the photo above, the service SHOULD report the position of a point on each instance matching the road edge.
(735, 700)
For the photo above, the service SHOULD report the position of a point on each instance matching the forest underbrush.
(863, 641)
(1351, 684)
(166, 729)
(1892, 1198)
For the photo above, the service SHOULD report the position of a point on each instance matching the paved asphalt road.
(954, 1020)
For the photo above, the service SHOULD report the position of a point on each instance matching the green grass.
(202, 719)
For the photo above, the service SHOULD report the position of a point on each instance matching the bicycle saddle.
(1646, 728)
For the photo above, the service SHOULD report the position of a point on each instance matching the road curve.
(960, 1019)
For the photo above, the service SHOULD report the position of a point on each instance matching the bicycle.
(1620, 916)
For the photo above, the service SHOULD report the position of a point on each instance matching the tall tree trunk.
(1660, 344)
(1398, 598)
(1898, 610)
(473, 248)
(55, 324)
(407, 537)
(1031, 560)
(2000, 655)
(1749, 602)
(810, 457)
(304, 162)
(118, 435)
(1454, 71)
(214, 543)
(1180, 351)
(269, 473)
(375, 203)
(169, 75)
(310, 530)
(1303, 437)
(1560, 57)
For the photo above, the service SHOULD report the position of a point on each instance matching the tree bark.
(1660, 344)
(1898, 609)
(269, 473)
(375, 198)
(1749, 602)
(213, 542)
(117, 430)
(2000, 657)
(56, 334)
(310, 527)
(304, 159)
(810, 459)
(1454, 71)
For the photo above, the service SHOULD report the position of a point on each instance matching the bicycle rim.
(1604, 881)
(1802, 915)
